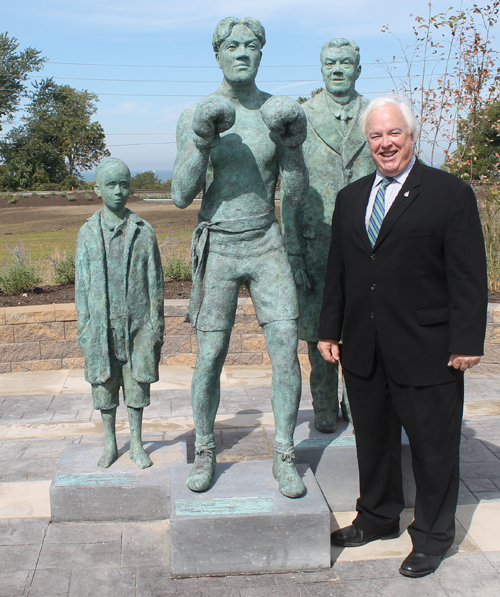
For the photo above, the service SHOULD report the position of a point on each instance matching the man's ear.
(97, 190)
(217, 58)
(358, 71)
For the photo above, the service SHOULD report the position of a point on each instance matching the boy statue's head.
(112, 184)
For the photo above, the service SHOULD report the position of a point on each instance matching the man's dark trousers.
(379, 407)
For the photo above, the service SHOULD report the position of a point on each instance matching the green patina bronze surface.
(119, 302)
(336, 153)
(250, 505)
(233, 145)
(95, 479)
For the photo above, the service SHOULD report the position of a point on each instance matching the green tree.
(14, 70)
(56, 141)
(302, 100)
(483, 139)
(148, 180)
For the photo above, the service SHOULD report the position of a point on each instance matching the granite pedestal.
(243, 525)
(332, 458)
(81, 490)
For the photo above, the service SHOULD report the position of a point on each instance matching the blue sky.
(147, 61)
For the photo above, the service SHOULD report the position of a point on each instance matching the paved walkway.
(42, 412)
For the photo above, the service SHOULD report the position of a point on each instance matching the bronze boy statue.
(119, 301)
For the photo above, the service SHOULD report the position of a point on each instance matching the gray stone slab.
(18, 557)
(24, 531)
(243, 525)
(81, 491)
(79, 555)
(50, 581)
(12, 584)
(332, 458)
(146, 543)
(83, 532)
(105, 581)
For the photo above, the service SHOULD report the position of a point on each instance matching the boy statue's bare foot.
(139, 456)
(109, 456)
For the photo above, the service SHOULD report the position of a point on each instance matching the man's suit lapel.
(408, 193)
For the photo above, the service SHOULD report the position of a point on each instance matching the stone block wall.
(44, 337)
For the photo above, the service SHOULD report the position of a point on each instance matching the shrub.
(88, 197)
(12, 200)
(18, 276)
(63, 194)
(72, 198)
(64, 269)
(178, 269)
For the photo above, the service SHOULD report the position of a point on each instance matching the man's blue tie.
(378, 211)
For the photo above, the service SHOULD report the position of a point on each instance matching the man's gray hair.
(340, 42)
(223, 30)
(380, 102)
(107, 163)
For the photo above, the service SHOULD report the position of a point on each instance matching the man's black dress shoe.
(419, 564)
(352, 536)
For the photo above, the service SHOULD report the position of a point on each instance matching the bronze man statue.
(336, 153)
(233, 145)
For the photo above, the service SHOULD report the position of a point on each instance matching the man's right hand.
(213, 115)
(329, 350)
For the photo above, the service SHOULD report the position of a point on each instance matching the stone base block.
(243, 525)
(332, 457)
(81, 490)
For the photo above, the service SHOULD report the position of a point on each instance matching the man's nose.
(242, 52)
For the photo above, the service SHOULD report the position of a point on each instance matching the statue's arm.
(82, 285)
(287, 120)
(294, 243)
(294, 175)
(198, 131)
(191, 163)
(156, 290)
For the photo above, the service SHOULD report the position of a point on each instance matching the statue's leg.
(281, 343)
(137, 452)
(324, 383)
(205, 397)
(110, 453)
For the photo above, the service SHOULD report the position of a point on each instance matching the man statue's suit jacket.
(420, 292)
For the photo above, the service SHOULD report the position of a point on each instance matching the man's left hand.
(463, 361)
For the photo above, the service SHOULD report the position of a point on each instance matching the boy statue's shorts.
(135, 394)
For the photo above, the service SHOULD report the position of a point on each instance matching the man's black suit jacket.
(421, 292)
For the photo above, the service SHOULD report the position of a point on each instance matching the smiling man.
(233, 145)
(336, 153)
(406, 291)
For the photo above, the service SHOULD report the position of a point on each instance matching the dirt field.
(49, 223)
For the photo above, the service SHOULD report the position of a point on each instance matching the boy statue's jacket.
(144, 292)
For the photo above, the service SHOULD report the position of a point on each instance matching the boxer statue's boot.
(202, 472)
(284, 471)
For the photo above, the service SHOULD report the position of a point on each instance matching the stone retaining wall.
(44, 337)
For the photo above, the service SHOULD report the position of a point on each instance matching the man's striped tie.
(378, 212)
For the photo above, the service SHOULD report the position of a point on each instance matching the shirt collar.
(400, 178)
(114, 228)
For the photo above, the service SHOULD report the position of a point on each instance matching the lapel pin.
(407, 194)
